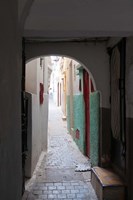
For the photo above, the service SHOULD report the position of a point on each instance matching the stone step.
(107, 184)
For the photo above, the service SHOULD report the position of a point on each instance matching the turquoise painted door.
(94, 127)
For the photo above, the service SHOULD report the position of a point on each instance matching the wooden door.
(86, 93)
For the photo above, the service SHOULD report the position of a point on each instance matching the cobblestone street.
(55, 176)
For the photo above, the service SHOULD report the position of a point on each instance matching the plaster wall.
(43, 77)
(92, 55)
(69, 94)
(28, 161)
(62, 78)
(10, 104)
(129, 78)
(75, 77)
(68, 114)
(34, 137)
(23, 11)
(36, 132)
(75, 105)
(79, 121)
(129, 114)
(47, 73)
(44, 122)
(68, 85)
(37, 116)
(105, 121)
(76, 83)
(40, 74)
(63, 97)
(94, 128)
(31, 77)
(80, 19)
(21, 5)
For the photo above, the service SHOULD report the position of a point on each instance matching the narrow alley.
(59, 173)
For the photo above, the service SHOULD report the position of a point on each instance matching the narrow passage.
(55, 176)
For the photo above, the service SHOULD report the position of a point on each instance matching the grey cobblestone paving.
(64, 190)
(55, 177)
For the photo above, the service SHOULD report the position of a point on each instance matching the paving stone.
(52, 187)
(58, 184)
(49, 184)
(61, 188)
(86, 186)
(78, 187)
(62, 196)
(52, 196)
(67, 184)
(70, 187)
(75, 183)
(37, 192)
(71, 195)
(47, 192)
(74, 191)
(83, 195)
(83, 190)
(43, 187)
(43, 196)
(66, 191)
(40, 184)
(57, 191)
(67, 199)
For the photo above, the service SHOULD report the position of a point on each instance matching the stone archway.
(95, 131)
(95, 57)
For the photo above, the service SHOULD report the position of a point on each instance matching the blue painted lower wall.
(79, 123)
(79, 120)
(94, 127)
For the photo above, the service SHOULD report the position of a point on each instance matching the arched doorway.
(74, 95)
(76, 105)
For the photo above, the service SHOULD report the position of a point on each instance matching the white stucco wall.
(91, 55)
(36, 132)
(44, 122)
(40, 74)
(38, 115)
(31, 77)
(47, 73)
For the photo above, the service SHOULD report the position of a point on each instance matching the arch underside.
(78, 18)
(92, 56)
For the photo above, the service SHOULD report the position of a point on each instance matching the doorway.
(60, 163)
